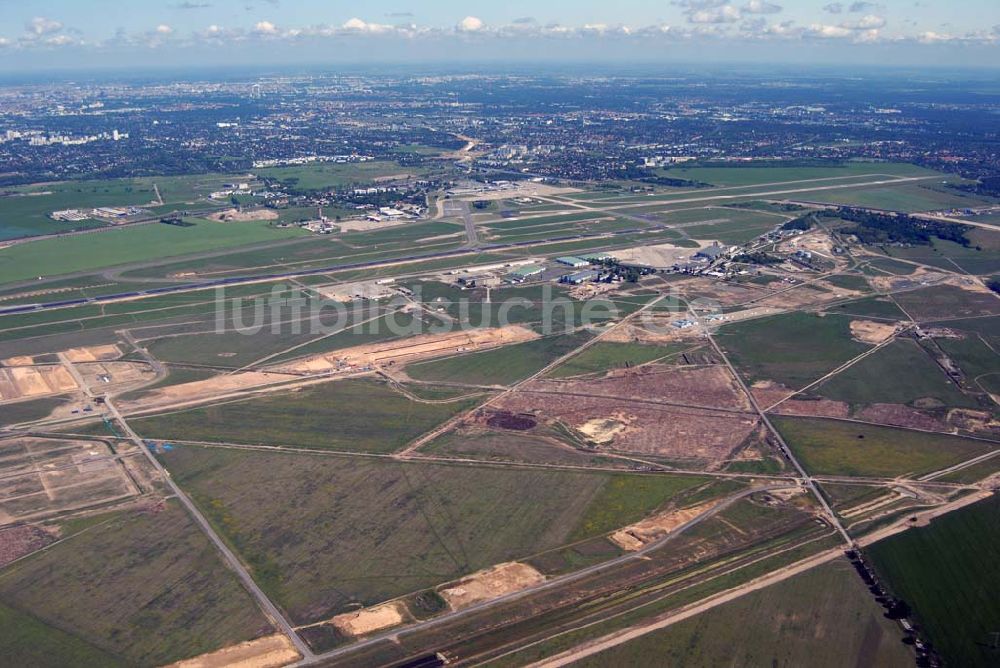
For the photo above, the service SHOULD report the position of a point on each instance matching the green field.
(871, 307)
(899, 373)
(947, 573)
(322, 533)
(751, 176)
(909, 197)
(835, 447)
(603, 356)
(145, 587)
(28, 641)
(26, 212)
(326, 176)
(824, 617)
(350, 415)
(501, 366)
(948, 301)
(50, 257)
(976, 356)
(793, 349)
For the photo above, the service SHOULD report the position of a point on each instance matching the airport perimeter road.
(266, 606)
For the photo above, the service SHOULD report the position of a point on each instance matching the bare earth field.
(44, 477)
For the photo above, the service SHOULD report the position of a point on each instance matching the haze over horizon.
(92, 34)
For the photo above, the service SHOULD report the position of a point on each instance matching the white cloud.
(357, 25)
(471, 24)
(60, 40)
(164, 29)
(931, 37)
(829, 32)
(40, 25)
(760, 7)
(834, 8)
(4, 42)
(722, 14)
(869, 22)
(265, 28)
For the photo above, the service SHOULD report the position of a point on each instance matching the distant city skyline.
(51, 34)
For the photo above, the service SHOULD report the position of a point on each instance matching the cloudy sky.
(42, 34)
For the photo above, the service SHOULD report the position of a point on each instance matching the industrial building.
(581, 277)
(575, 262)
(521, 274)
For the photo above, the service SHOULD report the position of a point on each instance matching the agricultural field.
(900, 373)
(825, 617)
(946, 572)
(129, 573)
(369, 530)
(834, 447)
(794, 349)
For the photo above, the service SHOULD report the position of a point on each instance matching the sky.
(81, 34)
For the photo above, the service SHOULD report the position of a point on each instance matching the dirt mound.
(634, 537)
(511, 421)
(411, 349)
(269, 652)
(237, 216)
(369, 620)
(491, 583)
(868, 331)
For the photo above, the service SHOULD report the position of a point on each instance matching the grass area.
(947, 573)
(176, 376)
(899, 373)
(326, 176)
(794, 349)
(323, 533)
(977, 359)
(849, 282)
(604, 356)
(872, 307)
(26, 411)
(749, 176)
(948, 301)
(145, 586)
(352, 415)
(834, 447)
(886, 265)
(824, 617)
(909, 197)
(49, 257)
(26, 212)
(501, 366)
(28, 641)
(735, 226)
(626, 499)
(981, 257)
